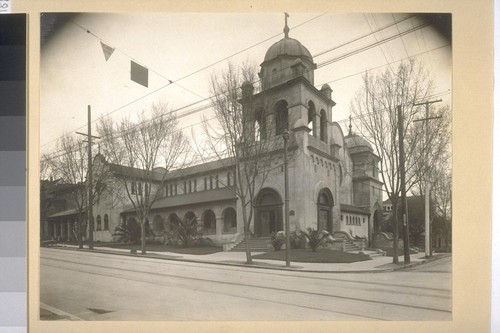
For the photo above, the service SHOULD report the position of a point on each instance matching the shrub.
(315, 237)
(186, 231)
(277, 239)
(297, 240)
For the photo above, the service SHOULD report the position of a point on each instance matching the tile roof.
(220, 194)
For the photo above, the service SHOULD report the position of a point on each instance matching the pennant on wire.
(107, 50)
(138, 73)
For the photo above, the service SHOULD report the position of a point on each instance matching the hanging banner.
(107, 50)
(138, 73)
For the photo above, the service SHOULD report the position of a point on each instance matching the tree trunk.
(80, 227)
(143, 237)
(395, 231)
(246, 228)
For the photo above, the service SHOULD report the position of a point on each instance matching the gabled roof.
(201, 168)
(354, 209)
(159, 173)
(193, 198)
(68, 212)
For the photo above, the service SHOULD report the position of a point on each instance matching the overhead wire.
(328, 62)
(210, 65)
(205, 107)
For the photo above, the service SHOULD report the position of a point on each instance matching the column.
(69, 230)
(218, 228)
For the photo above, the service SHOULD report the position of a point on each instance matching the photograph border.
(472, 51)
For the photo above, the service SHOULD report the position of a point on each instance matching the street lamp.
(286, 136)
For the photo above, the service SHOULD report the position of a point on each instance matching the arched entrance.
(325, 204)
(268, 213)
(209, 222)
(158, 226)
(377, 221)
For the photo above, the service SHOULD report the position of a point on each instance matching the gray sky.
(74, 72)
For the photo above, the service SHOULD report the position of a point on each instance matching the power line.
(328, 62)
(185, 76)
(199, 109)
(362, 36)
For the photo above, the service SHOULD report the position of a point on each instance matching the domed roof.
(287, 47)
(355, 141)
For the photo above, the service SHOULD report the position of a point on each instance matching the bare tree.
(432, 161)
(375, 107)
(142, 153)
(440, 180)
(238, 138)
(69, 164)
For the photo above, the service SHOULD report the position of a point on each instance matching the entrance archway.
(377, 221)
(325, 204)
(268, 213)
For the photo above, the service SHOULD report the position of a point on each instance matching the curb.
(259, 266)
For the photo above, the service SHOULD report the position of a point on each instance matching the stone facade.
(333, 178)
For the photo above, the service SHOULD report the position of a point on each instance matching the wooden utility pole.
(428, 242)
(402, 169)
(89, 179)
(287, 205)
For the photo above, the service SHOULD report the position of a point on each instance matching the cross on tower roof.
(286, 29)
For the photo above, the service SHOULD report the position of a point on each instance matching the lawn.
(320, 256)
(197, 250)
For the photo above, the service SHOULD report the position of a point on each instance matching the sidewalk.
(377, 264)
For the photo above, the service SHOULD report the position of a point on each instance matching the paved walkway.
(377, 264)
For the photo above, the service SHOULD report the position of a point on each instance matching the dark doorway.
(325, 204)
(268, 213)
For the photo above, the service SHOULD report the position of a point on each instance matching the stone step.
(255, 244)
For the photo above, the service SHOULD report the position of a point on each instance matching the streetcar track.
(235, 296)
(177, 263)
(355, 299)
(162, 272)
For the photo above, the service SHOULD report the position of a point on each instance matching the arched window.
(257, 130)
(106, 222)
(189, 216)
(158, 226)
(172, 221)
(209, 222)
(229, 218)
(324, 125)
(310, 118)
(98, 227)
(281, 117)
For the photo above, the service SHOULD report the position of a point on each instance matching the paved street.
(95, 286)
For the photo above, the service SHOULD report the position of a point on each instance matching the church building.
(333, 178)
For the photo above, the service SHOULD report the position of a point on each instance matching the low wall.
(383, 239)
